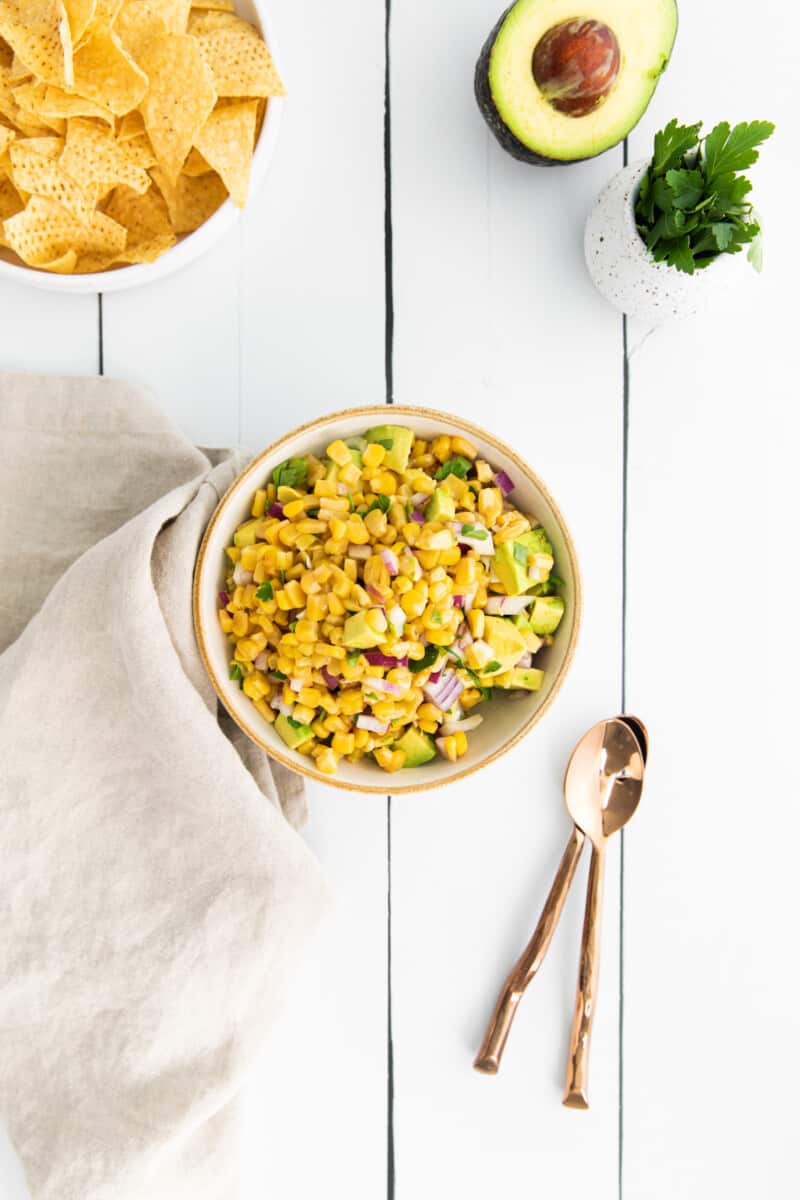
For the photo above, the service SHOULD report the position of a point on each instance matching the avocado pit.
(575, 65)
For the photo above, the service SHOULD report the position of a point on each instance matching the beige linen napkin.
(153, 889)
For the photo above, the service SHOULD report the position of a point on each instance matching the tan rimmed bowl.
(506, 719)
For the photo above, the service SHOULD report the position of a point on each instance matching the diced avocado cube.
(440, 507)
(292, 732)
(417, 746)
(397, 441)
(529, 678)
(511, 560)
(358, 635)
(246, 534)
(506, 641)
(546, 614)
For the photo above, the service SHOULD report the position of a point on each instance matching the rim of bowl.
(385, 787)
(192, 245)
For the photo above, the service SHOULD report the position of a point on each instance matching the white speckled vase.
(622, 268)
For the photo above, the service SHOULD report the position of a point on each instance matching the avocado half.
(532, 125)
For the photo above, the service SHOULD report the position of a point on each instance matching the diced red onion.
(223, 598)
(383, 685)
(464, 726)
(275, 509)
(376, 595)
(331, 680)
(444, 693)
(505, 484)
(354, 551)
(434, 675)
(507, 606)
(295, 684)
(439, 743)
(260, 662)
(525, 660)
(390, 561)
(371, 724)
(483, 545)
(284, 709)
(241, 577)
(397, 619)
(418, 517)
(419, 498)
(458, 601)
(376, 658)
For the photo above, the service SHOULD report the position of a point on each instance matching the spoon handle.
(576, 1091)
(491, 1051)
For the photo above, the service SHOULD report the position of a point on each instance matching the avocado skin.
(483, 94)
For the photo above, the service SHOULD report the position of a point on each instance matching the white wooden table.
(406, 257)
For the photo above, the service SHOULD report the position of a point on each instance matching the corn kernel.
(306, 631)
(374, 455)
(375, 619)
(448, 747)
(470, 697)
(339, 453)
(460, 445)
(343, 743)
(461, 743)
(327, 760)
(390, 760)
(384, 484)
(264, 709)
(477, 622)
(361, 739)
(441, 448)
(350, 474)
(240, 624)
(375, 522)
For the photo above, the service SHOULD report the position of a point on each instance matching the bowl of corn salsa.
(387, 599)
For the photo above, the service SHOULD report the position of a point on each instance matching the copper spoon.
(606, 800)
(584, 759)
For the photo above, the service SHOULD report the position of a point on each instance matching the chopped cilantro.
(381, 502)
(277, 675)
(494, 665)
(352, 502)
(557, 581)
(486, 692)
(353, 657)
(472, 531)
(295, 724)
(292, 626)
(520, 553)
(387, 443)
(428, 659)
(436, 617)
(291, 473)
(459, 466)
(236, 672)
(265, 592)
(312, 513)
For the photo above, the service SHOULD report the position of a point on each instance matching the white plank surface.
(490, 295)
(495, 318)
(711, 1029)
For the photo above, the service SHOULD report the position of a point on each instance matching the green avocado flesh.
(397, 441)
(546, 614)
(357, 634)
(292, 732)
(440, 507)
(511, 560)
(417, 747)
(525, 120)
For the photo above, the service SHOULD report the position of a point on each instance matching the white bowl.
(191, 245)
(506, 719)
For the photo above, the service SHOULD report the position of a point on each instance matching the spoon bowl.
(603, 781)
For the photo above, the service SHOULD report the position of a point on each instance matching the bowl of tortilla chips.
(131, 134)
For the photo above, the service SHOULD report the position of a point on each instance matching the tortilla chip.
(138, 23)
(218, 5)
(105, 14)
(97, 161)
(180, 98)
(58, 103)
(131, 126)
(226, 143)
(195, 164)
(45, 231)
(63, 265)
(39, 34)
(48, 146)
(6, 138)
(138, 151)
(240, 64)
(106, 73)
(210, 19)
(190, 201)
(10, 201)
(40, 176)
(18, 69)
(79, 16)
(146, 219)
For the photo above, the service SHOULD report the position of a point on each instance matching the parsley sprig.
(692, 203)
